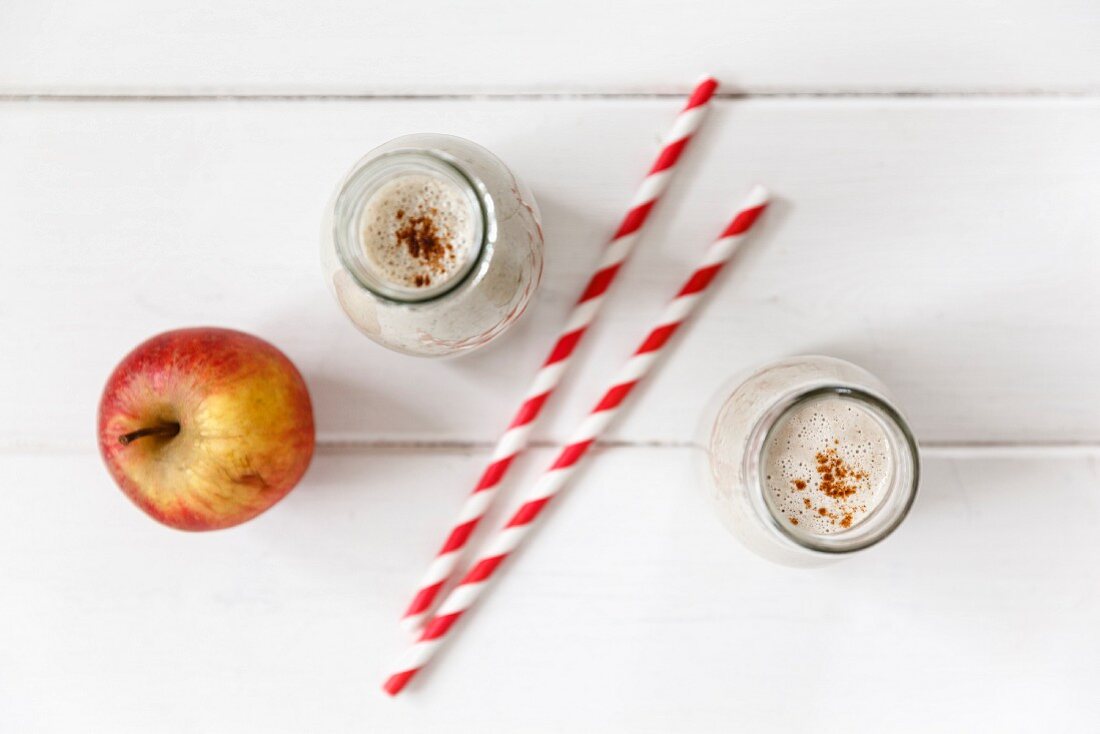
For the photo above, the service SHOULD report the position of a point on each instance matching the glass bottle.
(808, 460)
(454, 271)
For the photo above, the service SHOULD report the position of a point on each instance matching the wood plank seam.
(953, 94)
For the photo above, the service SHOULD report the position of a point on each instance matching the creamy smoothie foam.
(419, 231)
(827, 465)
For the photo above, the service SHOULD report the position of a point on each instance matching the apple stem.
(165, 429)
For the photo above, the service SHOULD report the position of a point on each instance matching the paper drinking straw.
(514, 440)
(473, 584)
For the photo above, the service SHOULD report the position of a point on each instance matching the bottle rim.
(883, 519)
(364, 180)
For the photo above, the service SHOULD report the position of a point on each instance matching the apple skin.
(245, 436)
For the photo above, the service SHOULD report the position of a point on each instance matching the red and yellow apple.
(205, 428)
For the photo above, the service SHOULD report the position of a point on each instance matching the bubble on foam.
(843, 431)
(413, 197)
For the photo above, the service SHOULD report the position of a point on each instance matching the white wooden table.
(165, 164)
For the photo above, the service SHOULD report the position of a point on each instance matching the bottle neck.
(409, 225)
(852, 462)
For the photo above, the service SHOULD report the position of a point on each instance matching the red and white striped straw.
(549, 375)
(473, 584)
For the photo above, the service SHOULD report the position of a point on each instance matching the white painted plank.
(438, 46)
(632, 610)
(952, 247)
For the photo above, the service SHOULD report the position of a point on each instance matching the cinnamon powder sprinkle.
(421, 237)
(838, 479)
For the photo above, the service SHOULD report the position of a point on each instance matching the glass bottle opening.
(409, 226)
(835, 469)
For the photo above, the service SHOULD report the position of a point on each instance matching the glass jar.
(808, 460)
(431, 245)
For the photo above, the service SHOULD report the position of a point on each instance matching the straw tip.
(758, 196)
(705, 85)
(396, 683)
(701, 93)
